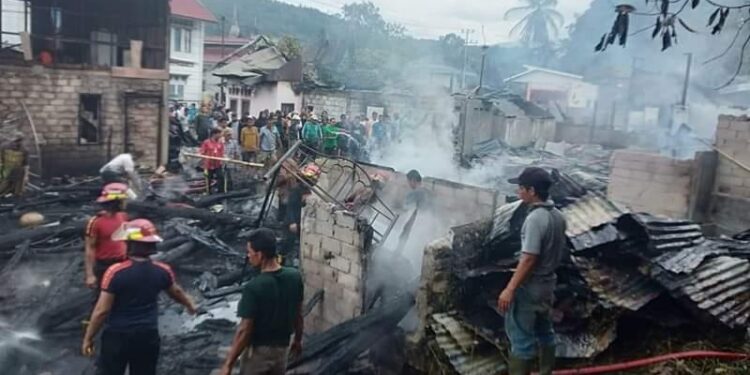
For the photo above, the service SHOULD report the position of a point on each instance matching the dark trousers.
(218, 175)
(110, 177)
(100, 267)
(136, 350)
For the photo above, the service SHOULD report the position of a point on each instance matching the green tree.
(538, 22)
(290, 47)
(452, 49)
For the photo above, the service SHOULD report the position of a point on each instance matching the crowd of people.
(265, 137)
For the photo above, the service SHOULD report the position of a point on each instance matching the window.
(245, 107)
(287, 107)
(233, 105)
(177, 86)
(88, 119)
(182, 37)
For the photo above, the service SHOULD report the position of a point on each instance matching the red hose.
(652, 360)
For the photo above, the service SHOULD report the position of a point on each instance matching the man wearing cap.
(527, 299)
(100, 250)
(128, 305)
(270, 309)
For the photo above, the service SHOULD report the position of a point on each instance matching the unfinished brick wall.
(651, 183)
(730, 203)
(53, 98)
(733, 138)
(333, 248)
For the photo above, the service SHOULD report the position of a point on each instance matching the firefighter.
(101, 251)
(129, 304)
(14, 167)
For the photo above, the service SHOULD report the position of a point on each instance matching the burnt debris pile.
(627, 275)
(41, 264)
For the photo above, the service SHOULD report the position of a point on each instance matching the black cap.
(535, 177)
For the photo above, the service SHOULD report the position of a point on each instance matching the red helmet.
(112, 192)
(311, 172)
(138, 230)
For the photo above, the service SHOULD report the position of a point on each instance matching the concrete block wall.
(651, 183)
(53, 98)
(733, 138)
(334, 255)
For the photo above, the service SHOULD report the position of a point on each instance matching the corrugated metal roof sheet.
(590, 211)
(688, 259)
(467, 353)
(720, 286)
(622, 287)
(669, 234)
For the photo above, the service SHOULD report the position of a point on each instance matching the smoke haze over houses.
(431, 19)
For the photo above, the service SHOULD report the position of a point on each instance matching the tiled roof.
(192, 9)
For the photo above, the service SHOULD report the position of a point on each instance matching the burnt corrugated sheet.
(591, 221)
(619, 286)
(588, 212)
(688, 259)
(467, 353)
(670, 234)
(586, 343)
(720, 286)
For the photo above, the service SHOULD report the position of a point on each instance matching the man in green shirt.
(270, 309)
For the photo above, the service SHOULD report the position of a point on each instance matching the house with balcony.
(85, 80)
(187, 23)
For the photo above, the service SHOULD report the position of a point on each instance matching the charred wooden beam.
(10, 240)
(216, 198)
(153, 210)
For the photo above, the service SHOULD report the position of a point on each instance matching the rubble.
(622, 267)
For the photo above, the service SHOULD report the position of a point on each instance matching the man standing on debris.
(203, 124)
(271, 310)
(14, 167)
(101, 251)
(527, 299)
(214, 147)
(129, 305)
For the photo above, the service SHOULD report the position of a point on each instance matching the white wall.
(285, 94)
(264, 97)
(190, 64)
(12, 13)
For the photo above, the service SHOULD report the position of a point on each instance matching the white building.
(187, 32)
(257, 77)
(557, 91)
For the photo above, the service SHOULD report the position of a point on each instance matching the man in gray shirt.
(527, 299)
(269, 139)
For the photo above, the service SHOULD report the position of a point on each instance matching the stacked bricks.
(733, 138)
(651, 183)
(53, 98)
(333, 259)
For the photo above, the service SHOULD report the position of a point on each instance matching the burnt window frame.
(79, 118)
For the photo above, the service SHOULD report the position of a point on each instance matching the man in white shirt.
(121, 169)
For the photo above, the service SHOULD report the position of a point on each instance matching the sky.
(433, 18)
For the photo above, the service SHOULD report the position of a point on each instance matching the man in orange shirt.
(212, 169)
(101, 250)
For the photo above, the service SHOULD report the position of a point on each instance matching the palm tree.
(538, 21)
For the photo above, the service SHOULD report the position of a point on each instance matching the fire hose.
(629, 365)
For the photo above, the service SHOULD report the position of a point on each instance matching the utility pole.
(466, 56)
(481, 72)
(222, 98)
(687, 80)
